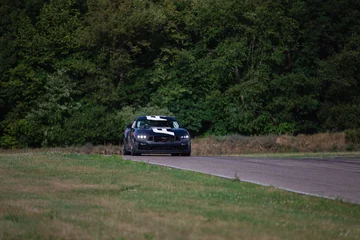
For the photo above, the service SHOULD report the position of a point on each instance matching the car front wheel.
(134, 152)
(125, 152)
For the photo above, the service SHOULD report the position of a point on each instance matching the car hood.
(163, 131)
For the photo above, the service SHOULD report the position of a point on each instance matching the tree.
(340, 91)
(46, 121)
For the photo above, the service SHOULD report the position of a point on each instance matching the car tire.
(134, 153)
(175, 154)
(125, 152)
(186, 154)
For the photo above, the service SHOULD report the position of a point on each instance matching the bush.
(93, 125)
(352, 136)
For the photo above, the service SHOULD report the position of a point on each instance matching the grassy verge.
(72, 196)
(322, 143)
(238, 144)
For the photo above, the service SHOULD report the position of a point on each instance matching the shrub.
(352, 136)
(92, 124)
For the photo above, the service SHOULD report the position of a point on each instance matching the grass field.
(73, 196)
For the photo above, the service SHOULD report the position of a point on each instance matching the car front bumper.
(163, 147)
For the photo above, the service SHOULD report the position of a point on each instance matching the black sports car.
(156, 135)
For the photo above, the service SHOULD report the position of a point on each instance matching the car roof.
(155, 118)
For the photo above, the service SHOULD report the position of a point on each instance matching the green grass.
(72, 196)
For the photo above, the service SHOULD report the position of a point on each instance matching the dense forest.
(77, 71)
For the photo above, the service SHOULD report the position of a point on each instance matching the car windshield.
(152, 123)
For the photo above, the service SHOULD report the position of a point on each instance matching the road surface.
(333, 177)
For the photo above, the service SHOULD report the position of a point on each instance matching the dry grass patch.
(228, 145)
(237, 144)
(322, 142)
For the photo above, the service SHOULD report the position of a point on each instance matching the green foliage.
(16, 135)
(46, 121)
(340, 87)
(295, 102)
(247, 101)
(92, 124)
(220, 67)
(352, 136)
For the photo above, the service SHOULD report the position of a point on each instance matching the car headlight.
(141, 136)
(184, 137)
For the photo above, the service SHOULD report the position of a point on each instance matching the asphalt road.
(333, 177)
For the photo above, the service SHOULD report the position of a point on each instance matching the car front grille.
(169, 147)
(163, 138)
(162, 147)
